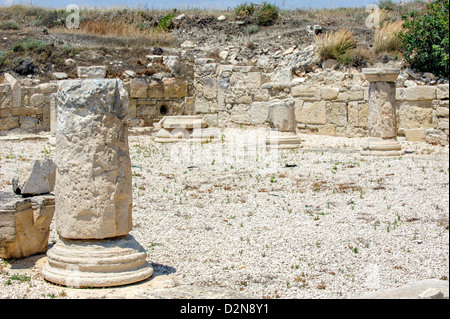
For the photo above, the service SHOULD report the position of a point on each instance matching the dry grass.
(120, 29)
(386, 38)
(335, 45)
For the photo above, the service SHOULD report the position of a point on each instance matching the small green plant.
(21, 278)
(9, 25)
(31, 46)
(166, 22)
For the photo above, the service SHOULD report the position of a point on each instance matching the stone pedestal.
(382, 125)
(184, 128)
(283, 124)
(94, 189)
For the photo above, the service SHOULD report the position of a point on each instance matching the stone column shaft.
(382, 122)
(94, 189)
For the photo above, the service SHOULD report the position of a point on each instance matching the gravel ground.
(318, 222)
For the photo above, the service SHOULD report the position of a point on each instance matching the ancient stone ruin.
(382, 113)
(26, 213)
(282, 122)
(93, 189)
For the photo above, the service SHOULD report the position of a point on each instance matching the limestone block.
(26, 111)
(327, 129)
(24, 224)
(175, 88)
(442, 111)
(356, 95)
(337, 113)
(330, 93)
(9, 123)
(28, 124)
(93, 182)
(37, 99)
(250, 80)
(306, 92)
(132, 109)
(284, 75)
(16, 90)
(259, 112)
(434, 136)
(47, 88)
(442, 91)
(91, 72)
(353, 114)
(240, 114)
(138, 88)
(36, 178)
(419, 93)
(363, 115)
(210, 88)
(415, 115)
(202, 106)
(415, 134)
(155, 90)
(312, 113)
(443, 124)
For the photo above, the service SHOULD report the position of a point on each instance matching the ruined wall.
(25, 107)
(327, 102)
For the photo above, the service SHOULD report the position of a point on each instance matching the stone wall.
(25, 106)
(151, 99)
(327, 102)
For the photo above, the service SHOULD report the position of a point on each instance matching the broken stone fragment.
(24, 224)
(36, 179)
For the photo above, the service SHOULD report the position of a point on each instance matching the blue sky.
(184, 4)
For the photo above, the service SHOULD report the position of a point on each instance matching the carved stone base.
(282, 140)
(382, 147)
(97, 263)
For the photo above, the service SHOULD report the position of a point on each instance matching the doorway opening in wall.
(163, 110)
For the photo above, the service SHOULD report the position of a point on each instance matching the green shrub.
(267, 14)
(426, 38)
(166, 22)
(244, 10)
(53, 18)
(9, 25)
(31, 46)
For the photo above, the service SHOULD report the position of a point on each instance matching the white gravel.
(336, 225)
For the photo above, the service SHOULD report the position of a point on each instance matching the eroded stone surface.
(36, 179)
(24, 224)
(94, 185)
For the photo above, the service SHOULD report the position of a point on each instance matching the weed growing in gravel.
(20, 278)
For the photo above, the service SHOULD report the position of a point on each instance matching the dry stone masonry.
(94, 189)
(327, 101)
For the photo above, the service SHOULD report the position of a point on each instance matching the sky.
(186, 4)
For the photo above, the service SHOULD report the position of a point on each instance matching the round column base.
(97, 263)
(283, 140)
(377, 146)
